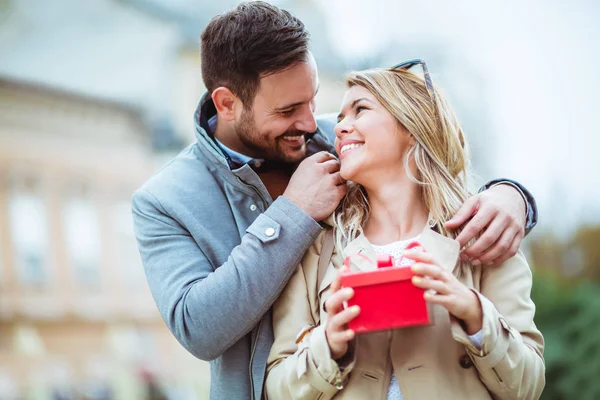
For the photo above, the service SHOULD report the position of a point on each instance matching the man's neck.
(225, 133)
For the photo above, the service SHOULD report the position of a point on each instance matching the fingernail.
(416, 268)
(427, 295)
(348, 292)
(416, 280)
(355, 309)
(475, 262)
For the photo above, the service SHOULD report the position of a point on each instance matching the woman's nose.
(342, 128)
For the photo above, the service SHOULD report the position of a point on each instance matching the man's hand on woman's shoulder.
(498, 216)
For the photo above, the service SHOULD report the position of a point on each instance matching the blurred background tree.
(567, 295)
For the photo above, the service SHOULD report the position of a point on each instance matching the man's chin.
(296, 157)
(292, 156)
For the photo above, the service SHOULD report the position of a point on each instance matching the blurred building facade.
(76, 315)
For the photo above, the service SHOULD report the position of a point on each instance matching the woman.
(405, 155)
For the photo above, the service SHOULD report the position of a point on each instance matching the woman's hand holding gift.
(336, 330)
(442, 287)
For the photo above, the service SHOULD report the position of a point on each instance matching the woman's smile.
(349, 146)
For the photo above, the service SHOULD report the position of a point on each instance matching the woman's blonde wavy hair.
(440, 151)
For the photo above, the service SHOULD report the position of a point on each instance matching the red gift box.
(386, 296)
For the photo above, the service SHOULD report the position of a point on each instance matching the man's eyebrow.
(288, 106)
(354, 103)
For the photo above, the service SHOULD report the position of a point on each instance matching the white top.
(396, 249)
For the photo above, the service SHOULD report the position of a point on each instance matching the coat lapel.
(361, 246)
(444, 249)
(362, 254)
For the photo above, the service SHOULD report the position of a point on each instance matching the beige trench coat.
(436, 361)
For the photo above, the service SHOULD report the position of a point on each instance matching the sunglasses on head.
(407, 65)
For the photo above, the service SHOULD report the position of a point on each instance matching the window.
(1, 251)
(82, 235)
(3, 217)
(29, 232)
(129, 257)
(131, 342)
(28, 341)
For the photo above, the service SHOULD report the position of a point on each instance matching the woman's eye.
(360, 108)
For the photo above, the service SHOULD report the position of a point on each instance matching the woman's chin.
(353, 177)
(346, 173)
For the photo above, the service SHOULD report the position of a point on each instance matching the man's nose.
(306, 121)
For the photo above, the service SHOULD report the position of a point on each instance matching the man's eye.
(287, 113)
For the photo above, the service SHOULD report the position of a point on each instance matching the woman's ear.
(405, 133)
(411, 139)
(225, 102)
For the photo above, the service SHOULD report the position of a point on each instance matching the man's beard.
(266, 147)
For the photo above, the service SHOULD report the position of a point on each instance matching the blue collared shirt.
(236, 157)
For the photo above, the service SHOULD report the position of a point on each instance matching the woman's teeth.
(347, 147)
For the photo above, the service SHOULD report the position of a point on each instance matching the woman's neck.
(397, 211)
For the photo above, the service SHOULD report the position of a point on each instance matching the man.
(217, 249)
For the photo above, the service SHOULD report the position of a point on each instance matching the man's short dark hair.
(243, 45)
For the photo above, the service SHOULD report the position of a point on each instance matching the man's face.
(282, 114)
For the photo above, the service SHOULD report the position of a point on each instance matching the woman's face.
(369, 140)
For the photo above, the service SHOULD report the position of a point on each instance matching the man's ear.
(225, 102)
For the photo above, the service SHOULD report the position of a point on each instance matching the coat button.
(253, 207)
(269, 232)
(465, 362)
